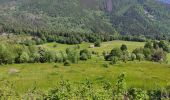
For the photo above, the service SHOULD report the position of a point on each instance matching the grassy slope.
(139, 74)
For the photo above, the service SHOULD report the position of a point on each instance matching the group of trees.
(22, 54)
(65, 90)
(77, 38)
(152, 51)
(18, 53)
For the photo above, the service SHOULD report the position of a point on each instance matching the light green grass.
(146, 75)
(105, 46)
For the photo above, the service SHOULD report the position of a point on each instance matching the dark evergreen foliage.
(81, 20)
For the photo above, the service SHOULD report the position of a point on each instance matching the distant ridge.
(166, 1)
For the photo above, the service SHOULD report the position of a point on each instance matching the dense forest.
(149, 18)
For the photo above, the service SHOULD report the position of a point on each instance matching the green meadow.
(144, 74)
(105, 46)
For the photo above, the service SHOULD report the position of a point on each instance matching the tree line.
(19, 53)
(41, 37)
(152, 51)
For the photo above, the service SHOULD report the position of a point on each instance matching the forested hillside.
(166, 1)
(150, 18)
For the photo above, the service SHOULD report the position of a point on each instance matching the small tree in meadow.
(72, 55)
(148, 45)
(114, 60)
(83, 56)
(123, 47)
(139, 56)
(97, 43)
(84, 53)
(125, 56)
(133, 56)
(159, 55)
(67, 63)
(116, 52)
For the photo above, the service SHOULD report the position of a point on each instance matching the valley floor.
(144, 74)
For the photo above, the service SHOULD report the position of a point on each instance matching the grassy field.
(139, 74)
(144, 74)
(105, 46)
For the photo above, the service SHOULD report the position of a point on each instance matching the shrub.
(139, 56)
(35, 57)
(85, 52)
(123, 47)
(95, 53)
(159, 55)
(83, 57)
(125, 56)
(72, 55)
(120, 89)
(24, 57)
(114, 60)
(67, 63)
(138, 94)
(116, 52)
(133, 56)
(6, 55)
(148, 45)
(104, 53)
(97, 43)
(147, 53)
(105, 65)
(138, 50)
(55, 66)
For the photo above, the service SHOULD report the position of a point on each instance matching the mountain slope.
(166, 1)
(134, 17)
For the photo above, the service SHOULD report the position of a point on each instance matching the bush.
(83, 57)
(72, 55)
(138, 51)
(24, 57)
(159, 55)
(55, 66)
(97, 43)
(6, 55)
(85, 52)
(114, 60)
(148, 45)
(139, 56)
(123, 47)
(67, 63)
(138, 94)
(133, 56)
(95, 53)
(35, 57)
(125, 56)
(116, 52)
(147, 53)
(105, 65)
